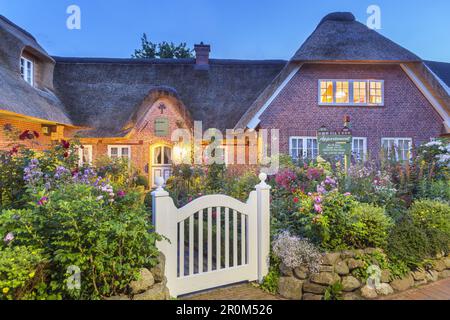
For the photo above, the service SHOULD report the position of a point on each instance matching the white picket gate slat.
(249, 239)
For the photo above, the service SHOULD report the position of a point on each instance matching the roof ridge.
(12, 24)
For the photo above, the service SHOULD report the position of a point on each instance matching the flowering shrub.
(295, 252)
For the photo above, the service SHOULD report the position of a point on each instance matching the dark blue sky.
(251, 29)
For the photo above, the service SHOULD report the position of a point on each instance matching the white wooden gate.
(213, 241)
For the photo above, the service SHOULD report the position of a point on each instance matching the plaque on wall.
(161, 127)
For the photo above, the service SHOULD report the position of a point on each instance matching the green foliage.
(22, 274)
(240, 186)
(434, 190)
(142, 181)
(334, 292)
(408, 243)
(109, 242)
(345, 223)
(163, 50)
(270, 282)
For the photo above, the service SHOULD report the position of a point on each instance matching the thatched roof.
(16, 95)
(339, 37)
(441, 70)
(105, 93)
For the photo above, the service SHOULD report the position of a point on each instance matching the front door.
(162, 162)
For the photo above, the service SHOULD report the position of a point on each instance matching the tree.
(163, 50)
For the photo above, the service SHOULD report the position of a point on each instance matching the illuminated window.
(376, 92)
(27, 70)
(326, 92)
(359, 92)
(351, 92)
(342, 92)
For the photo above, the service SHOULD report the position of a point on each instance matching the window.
(351, 92)
(400, 148)
(359, 92)
(342, 92)
(162, 155)
(326, 92)
(26, 70)
(376, 92)
(85, 156)
(359, 148)
(303, 148)
(115, 152)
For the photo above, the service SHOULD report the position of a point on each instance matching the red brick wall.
(406, 113)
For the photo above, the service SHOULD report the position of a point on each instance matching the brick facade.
(406, 112)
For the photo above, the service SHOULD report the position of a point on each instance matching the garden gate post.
(263, 213)
(164, 215)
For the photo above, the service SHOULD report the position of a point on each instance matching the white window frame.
(396, 140)
(350, 93)
(305, 146)
(119, 148)
(80, 155)
(364, 139)
(25, 70)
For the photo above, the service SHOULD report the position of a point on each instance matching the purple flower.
(347, 194)
(121, 194)
(9, 237)
(43, 201)
(318, 208)
(318, 200)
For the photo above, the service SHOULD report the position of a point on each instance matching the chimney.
(202, 56)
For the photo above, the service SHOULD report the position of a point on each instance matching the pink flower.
(318, 200)
(318, 208)
(43, 201)
(121, 194)
(347, 194)
(9, 237)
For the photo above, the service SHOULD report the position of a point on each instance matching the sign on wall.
(334, 143)
(162, 127)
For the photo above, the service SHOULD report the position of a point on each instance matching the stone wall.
(150, 286)
(300, 284)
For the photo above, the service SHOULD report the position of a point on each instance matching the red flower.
(296, 200)
(14, 151)
(65, 144)
(36, 134)
(24, 135)
(66, 155)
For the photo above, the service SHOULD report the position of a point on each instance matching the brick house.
(129, 107)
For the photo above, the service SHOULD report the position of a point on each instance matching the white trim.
(119, 149)
(80, 155)
(437, 106)
(253, 123)
(304, 147)
(350, 93)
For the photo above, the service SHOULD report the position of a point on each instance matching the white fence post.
(165, 223)
(263, 210)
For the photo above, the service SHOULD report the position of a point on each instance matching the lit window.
(359, 92)
(351, 92)
(162, 155)
(359, 149)
(26, 70)
(85, 156)
(303, 148)
(326, 91)
(397, 148)
(115, 152)
(376, 92)
(342, 92)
